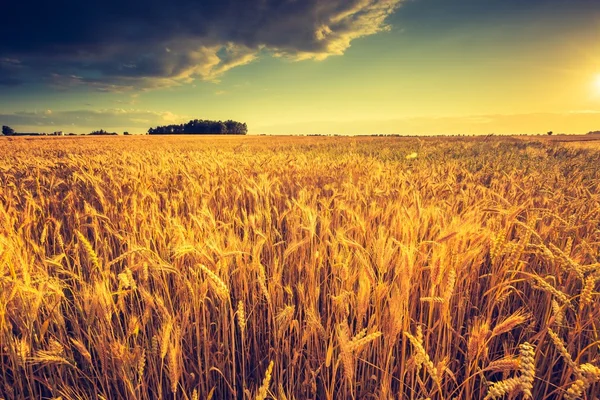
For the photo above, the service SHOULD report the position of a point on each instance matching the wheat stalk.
(264, 388)
(220, 287)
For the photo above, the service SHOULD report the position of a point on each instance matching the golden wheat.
(155, 267)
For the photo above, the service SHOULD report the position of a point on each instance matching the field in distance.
(299, 268)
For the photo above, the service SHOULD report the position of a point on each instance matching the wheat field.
(299, 268)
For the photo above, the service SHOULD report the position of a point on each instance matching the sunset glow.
(335, 66)
(597, 85)
(300, 199)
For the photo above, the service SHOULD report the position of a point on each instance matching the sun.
(596, 84)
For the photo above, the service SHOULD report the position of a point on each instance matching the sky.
(411, 67)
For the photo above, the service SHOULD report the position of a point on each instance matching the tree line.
(201, 126)
(8, 131)
(195, 126)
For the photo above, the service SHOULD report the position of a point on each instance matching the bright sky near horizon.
(303, 66)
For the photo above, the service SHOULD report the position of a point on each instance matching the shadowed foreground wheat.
(300, 268)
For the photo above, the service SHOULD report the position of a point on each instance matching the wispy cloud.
(80, 120)
(10, 71)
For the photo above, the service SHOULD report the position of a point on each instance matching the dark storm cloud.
(119, 45)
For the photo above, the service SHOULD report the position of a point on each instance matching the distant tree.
(550, 133)
(196, 126)
(7, 130)
(102, 132)
(126, 133)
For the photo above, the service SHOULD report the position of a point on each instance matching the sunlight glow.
(597, 85)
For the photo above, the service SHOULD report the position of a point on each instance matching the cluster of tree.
(201, 126)
(7, 130)
(102, 132)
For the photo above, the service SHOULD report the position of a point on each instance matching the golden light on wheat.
(299, 268)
